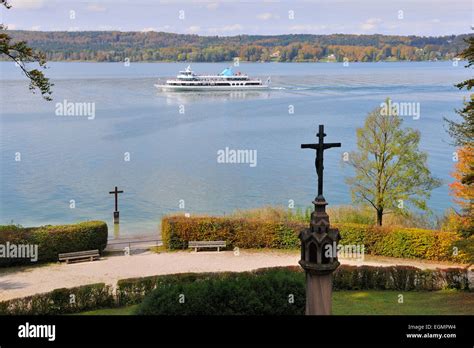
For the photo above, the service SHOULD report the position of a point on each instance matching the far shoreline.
(247, 62)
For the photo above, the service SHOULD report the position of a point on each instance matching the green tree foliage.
(22, 54)
(390, 170)
(463, 132)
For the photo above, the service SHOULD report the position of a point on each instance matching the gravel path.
(24, 281)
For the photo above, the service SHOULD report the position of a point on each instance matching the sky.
(234, 17)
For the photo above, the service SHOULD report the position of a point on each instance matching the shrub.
(133, 290)
(463, 224)
(258, 233)
(243, 233)
(455, 279)
(239, 294)
(465, 248)
(61, 301)
(52, 240)
(286, 238)
(402, 242)
(404, 278)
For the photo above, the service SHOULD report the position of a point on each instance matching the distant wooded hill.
(114, 46)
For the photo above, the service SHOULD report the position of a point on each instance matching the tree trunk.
(379, 216)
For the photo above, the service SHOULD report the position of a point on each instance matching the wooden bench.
(207, 244)
(90, 255)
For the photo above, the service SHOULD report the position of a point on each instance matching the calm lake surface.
(173, 138)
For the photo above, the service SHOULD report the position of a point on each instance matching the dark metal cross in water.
(116, 192)
(320, 147)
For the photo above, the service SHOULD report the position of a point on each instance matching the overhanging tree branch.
(22, 54)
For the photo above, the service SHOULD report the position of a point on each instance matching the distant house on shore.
(275, 55)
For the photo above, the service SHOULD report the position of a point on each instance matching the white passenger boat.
(227, 80)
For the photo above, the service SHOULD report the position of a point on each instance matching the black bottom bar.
(292, 331)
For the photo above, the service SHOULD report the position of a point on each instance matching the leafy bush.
(286, 238)
(465, 247)
(361, 278)
(402, 242)
(404, 278)
(52, 240)
(133, 290)
(256, 233)
(275, 292)
(61, 301)
(244, 233)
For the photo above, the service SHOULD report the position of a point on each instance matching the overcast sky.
(265, 17)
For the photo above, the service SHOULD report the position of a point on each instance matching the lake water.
(173, 138)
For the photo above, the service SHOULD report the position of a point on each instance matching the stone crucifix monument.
(319, 242)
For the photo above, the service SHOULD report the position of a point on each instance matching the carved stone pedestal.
(318, 294)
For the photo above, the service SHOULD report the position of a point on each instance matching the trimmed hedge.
(133, 290)
(405, 278)
(403, 242)
(176, 231)
(52, 240)
(61, 301)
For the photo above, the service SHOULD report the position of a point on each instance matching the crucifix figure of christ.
(116, 212)
(320, 147)
(315, 240)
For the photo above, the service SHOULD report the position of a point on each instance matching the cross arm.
(329, 145)
(310, 146)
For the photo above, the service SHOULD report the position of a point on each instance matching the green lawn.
(386, 302)
(376, 303)
(112, 311)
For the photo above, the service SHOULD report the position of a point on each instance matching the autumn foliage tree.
(463, 190)
(462, 133)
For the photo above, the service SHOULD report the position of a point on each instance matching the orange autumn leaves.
(462, 189)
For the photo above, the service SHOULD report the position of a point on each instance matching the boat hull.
(210, 88)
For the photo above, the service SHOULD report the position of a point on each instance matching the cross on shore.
(116, 192)
(320, 147)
